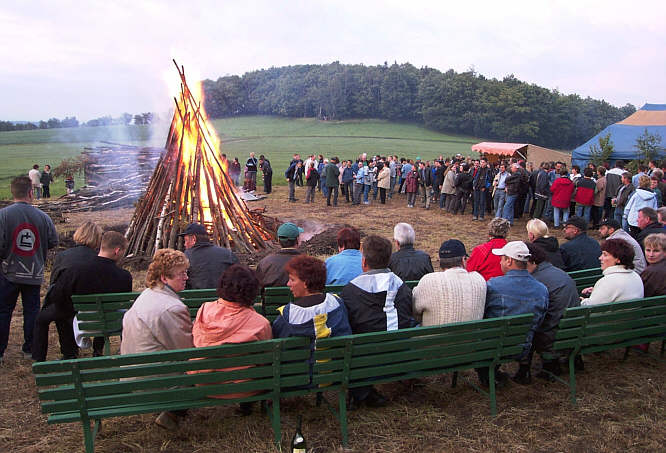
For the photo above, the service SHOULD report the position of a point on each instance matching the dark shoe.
(578, 363)
(375, 399)
(244, 409)
(523, 376)
(549, 369)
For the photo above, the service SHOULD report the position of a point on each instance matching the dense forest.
(464, 103)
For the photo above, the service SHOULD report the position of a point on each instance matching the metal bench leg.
(320, 396)
(275, 420)
(572, 378)
(342, 415)
(88, 437)
(454, 379)
(491, 388)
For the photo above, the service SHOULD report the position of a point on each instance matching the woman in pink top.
(231, 319)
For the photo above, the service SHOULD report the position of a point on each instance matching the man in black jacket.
(648, 222)
(581, 251)
(481, 183)
(99, 275)
(408, 263)
(267, 171)
(425, 183)
(377, 300)
(207, 260)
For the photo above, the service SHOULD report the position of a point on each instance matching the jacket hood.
(645, 194)
(549, 243)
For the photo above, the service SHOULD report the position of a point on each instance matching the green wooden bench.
(585, 278)
(373, 358)
(89, 390)
(584, 330)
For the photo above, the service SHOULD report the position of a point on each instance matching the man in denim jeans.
(515, 293)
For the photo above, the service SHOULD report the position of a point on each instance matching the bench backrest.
(71, 390)
(614, 325)
(364, 359)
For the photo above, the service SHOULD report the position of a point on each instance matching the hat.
(611, 223)
(578, 222)
(289, 231)
(514, 249)
(452, 248)
(194, 228)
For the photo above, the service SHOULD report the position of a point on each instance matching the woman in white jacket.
(619, 282)
(643, 197)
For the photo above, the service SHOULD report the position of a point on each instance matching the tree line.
(463, 103)
(56, 123)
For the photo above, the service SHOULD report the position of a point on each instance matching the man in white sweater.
(453, 295)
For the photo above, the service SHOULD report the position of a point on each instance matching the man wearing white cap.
(515, 293)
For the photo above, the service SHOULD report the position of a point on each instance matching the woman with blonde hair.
(654, 275)
(158, 319)
(537, 233)
(87, 238)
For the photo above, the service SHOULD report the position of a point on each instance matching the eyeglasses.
(182, 274)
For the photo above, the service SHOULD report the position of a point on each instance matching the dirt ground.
(621, 405)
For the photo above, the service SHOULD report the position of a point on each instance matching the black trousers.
(63, 322)
(382, 195)
(46, 191)
(334, 191)
(268, 183)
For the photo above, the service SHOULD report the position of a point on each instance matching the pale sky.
(91, 58)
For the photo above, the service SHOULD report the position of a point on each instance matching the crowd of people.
(498, 278)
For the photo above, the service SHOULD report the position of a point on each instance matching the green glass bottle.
(298, 441)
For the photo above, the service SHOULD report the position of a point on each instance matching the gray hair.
(404, 234)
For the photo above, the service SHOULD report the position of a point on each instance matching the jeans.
(37, 192)
(509, 206)
(500, 199)
(539, 204)
(347, 186)
(366, 192)
(442, 200)
(583, 211)
(309, 194)
(375, 190)
(556, 215)
(479, 206)
(426, 196)
(392, 186)
(9, 293)
(324, 189)
(334, 191)
(292, 190)
(411, 198)
(358, 190)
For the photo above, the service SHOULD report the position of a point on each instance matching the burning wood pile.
(190, 184)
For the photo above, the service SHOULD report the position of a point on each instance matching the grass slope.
(277, 138)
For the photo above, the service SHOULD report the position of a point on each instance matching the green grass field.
(277, 138)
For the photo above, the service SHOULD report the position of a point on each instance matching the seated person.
(377, 300)
(619, 282)
(611, 229)
(562, 294)
(537, 233)
(408, 263)
(207, 260)
(515, 293)
(453, 295)
(158, 320)
(270, 270)
(580, 251)
(654, 276)
(346, 265)
(231, 318)
(482, 260)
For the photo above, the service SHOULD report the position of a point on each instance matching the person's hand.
(587, 291)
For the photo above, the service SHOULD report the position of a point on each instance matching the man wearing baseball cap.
(581, 251)
(207, 260)
(611, 229)
(515, 293)
(453, 295)
(270, 270)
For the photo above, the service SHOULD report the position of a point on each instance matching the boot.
(523, 376)
(550, 368)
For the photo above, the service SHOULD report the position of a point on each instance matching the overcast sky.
(92, 58)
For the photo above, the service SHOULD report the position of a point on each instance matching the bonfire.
(190, 184)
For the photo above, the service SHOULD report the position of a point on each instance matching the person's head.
(502, 168)
(661, 215)
(574, 226)
(307, 275)
(616, 252)
(655, 245)
(513, 256)
(619, 164)
(113, 245)
(403, 234)
(643, 182)
(47, 167)
(452, 253)
(21, 188)
(376, 252)
(646, 216)
(642, 168)
(626, 178)
(484, 163)
(169, 267)
(601, 170)
(564, 173)
(251, 154)
(654, 182)
(88, 234)
(588, 172)
(575, 169)
(536, 229)
(609, 227)
(498, 228)
(239, 284)
(35, 167)
(652, 164)
(515, 167)
(349, 238)
(537, 256)
(288, 234)
(195, 233)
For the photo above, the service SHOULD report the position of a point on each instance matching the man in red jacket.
(584, 198)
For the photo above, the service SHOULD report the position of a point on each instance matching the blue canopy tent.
(624, 134)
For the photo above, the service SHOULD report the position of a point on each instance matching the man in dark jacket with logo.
(580, 251)
(377, 300)
(407, 263)
(26, 234)
(207, 260)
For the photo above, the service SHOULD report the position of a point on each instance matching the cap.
(612, 223)
(289, 231)
(514, 249)
(578, 222)
(194, 228)
(452, 248)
